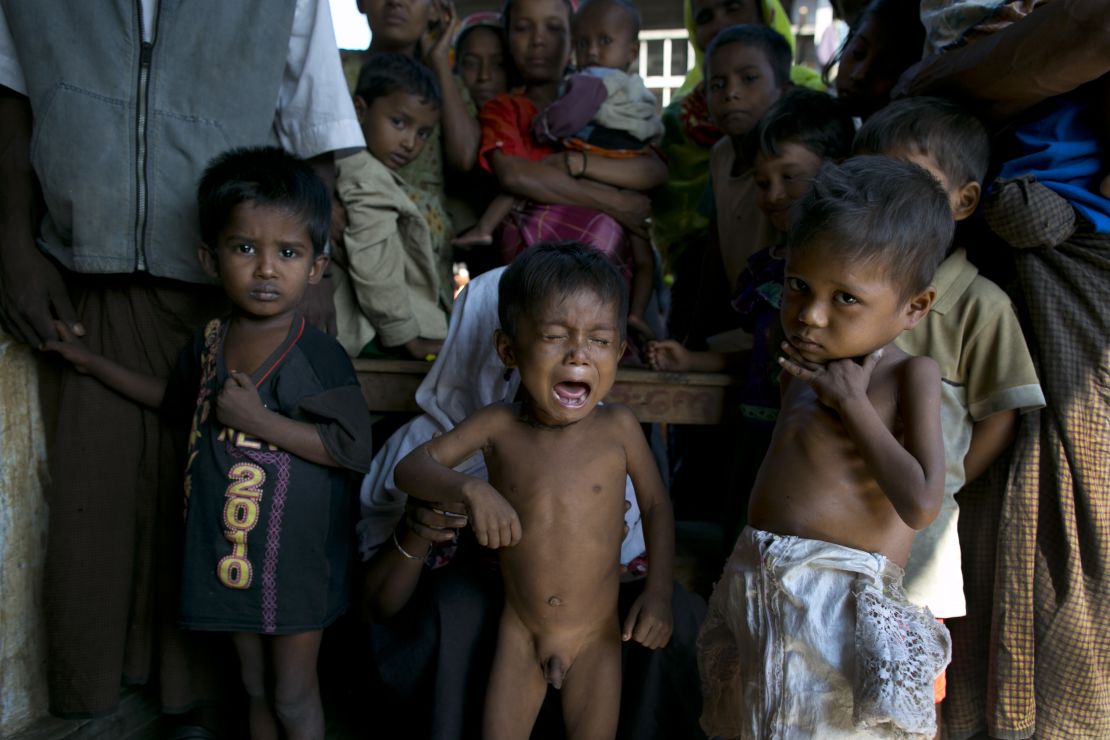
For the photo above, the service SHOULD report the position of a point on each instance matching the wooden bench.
(675, 398)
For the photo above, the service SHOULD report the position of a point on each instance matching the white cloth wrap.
(806, 638)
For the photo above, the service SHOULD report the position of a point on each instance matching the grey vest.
(123, 130)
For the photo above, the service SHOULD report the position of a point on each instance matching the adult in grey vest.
(114, 108)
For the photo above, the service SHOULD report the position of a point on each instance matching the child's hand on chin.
(649, 620)
(238, 405)
(834, 382)
(494, 519)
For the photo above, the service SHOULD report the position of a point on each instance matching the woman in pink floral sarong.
(582, 197)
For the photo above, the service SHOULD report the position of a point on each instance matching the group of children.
(881, 373)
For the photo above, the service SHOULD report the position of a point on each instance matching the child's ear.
(319, 265)
(208, 261)
(919, 306)
(504, 344)
(968, 200)
(361, 108)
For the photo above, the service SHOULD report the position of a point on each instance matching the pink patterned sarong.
(535, 223)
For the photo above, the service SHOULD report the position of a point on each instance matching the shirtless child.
(809, 633)
(557, 464)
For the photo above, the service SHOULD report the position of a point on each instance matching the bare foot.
(473, 237)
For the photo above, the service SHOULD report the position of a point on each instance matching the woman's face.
(396, 25)
(481, 64)
(869, 69)
(539, 39)
(713, 16)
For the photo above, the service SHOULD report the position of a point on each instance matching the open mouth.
(571, 395)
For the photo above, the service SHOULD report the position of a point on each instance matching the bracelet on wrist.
(405, 553)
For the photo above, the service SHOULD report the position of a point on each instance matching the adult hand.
(33, 295)
(238, 404)
(434, 521)
(438, 37)
(318, 306)
(834, 382)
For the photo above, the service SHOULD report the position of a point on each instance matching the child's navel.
(597, 488)
(554, 601)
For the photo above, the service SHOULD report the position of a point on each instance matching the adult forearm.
(389, 578)
(542, 184)
(642, 172)
(461, 133)
(17, 183)
(1057, 48)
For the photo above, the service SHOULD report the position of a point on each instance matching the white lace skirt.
(806, 639)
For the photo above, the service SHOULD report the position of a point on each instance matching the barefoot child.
(392, 291)
(802, 130)
(602, 111)
(557, 463)
(972, 332)
(278, 419)
(809, 632)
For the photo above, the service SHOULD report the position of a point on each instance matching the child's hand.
(70, 347)
(667, 355)
(649, 620)
(494, 519)
(238, 405)
(834, 382)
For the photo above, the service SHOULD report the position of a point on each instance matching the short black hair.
(267, 176)
(813, 119)
(385, 74)
(564, 268)
(934, 127)
(630, 10)
(770, 42)
(877, 210)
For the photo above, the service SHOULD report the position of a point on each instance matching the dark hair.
(934, 127)
(897, 17)
(813, 119)
(267, 176)
(385, 74)
(558, 267)
(627, 6)
(877, 210)
(507, 8)
(770, 42)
